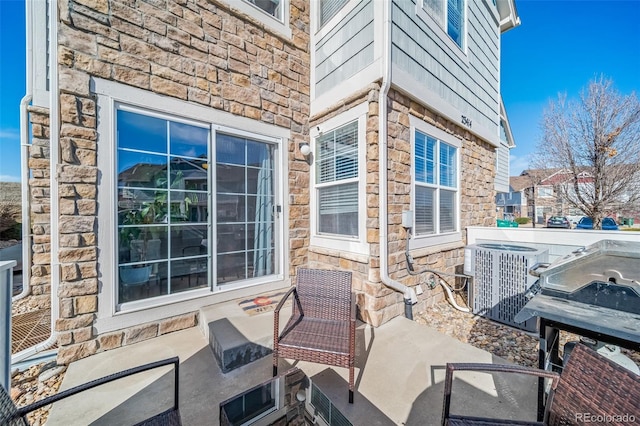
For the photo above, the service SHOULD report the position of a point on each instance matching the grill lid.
(607, 261)
(595, 288)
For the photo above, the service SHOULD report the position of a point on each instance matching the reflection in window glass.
(141, 132)
(161, 198)
(244, 209)
(142, 170)
(188, 141)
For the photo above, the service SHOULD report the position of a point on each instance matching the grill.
(596, 288)
(593, 292)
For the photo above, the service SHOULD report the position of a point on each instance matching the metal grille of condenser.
(500, 279)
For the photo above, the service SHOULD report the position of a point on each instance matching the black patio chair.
(10, 415)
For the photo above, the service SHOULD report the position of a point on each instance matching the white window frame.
(110, 93)
(336, 242)
(280, 26)
(442, 31)
(545, 191)
(438, 238)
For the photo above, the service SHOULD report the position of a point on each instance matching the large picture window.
(450, 16)
(436, 186)
(337, 181)
(162, 201)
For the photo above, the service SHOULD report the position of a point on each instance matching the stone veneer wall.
(377, 303)
(39, 202)
(201, 51)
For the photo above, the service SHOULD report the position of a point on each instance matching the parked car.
(608, 224)
(558, 222)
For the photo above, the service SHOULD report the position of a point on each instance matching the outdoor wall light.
(305, 149)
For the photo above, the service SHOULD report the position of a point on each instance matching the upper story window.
(329, 8)
(272, 7)
(450, 15)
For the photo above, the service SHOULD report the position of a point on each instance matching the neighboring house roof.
(545, 177)
(518, 183)
(563, 176)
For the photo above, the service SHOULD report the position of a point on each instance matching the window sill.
(339, 250)
(423, 246)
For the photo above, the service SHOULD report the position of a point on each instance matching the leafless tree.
(595, 140)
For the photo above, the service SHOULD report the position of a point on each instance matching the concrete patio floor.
(399, 379)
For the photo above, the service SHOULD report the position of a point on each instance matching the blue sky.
(560, 47)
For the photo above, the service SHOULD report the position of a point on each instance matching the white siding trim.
(360, 79)
(346, 88)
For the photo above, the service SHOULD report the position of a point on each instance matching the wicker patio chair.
(322, 326)
(590, 385)
(10, 415)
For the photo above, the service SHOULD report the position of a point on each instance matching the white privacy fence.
(559, 242)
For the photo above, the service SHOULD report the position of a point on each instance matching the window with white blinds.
(337, 181)
(450, 15)
(328, 9)
(436, 185)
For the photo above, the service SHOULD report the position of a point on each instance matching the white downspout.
(26, 200)
(409, 294)
(24, 161)
(54, 133)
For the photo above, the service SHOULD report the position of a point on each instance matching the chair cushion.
(315, 335)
